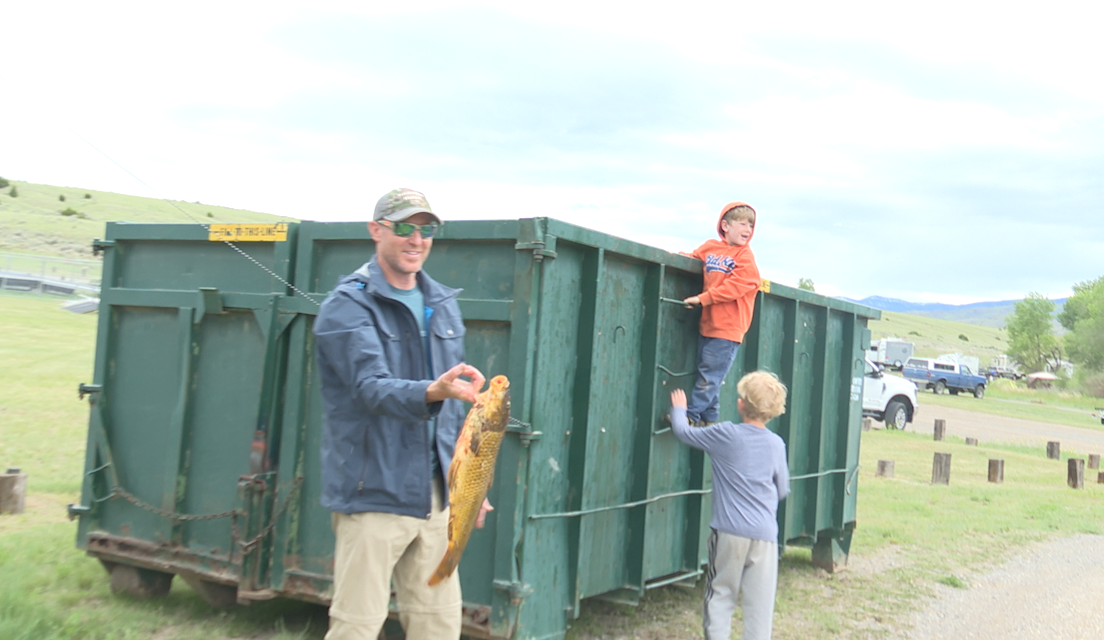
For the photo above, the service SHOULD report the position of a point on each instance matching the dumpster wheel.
(137, 582)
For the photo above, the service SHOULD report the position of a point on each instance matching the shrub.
(1094, 385)
(14, 192)
(70, 211)
(915, 333)
(88, 196)
(4, 183)
(210, 215)
(61, 197)
(962, 336)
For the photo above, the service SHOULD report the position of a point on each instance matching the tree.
(1083, 316)
(1031, 340)
(3, 183)
(14, 192)
(806, 284)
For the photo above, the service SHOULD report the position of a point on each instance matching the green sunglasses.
(404, 229)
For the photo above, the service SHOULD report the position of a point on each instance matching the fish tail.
(447, 566)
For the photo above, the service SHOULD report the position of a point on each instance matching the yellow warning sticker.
(764, 285)
(248, 232)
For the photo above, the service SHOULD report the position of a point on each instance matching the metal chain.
(518, 423)
(247, 545)
(119, 492)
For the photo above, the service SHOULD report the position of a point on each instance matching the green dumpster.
(212, 372)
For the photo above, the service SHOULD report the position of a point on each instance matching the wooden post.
(971, 442)
(941, 468)
(866, 422)
(940, 429)
(996, 471)
(13, 491)
(1075, 474)
(885, 469)
(1094, 460)
(1054, 450)
(1100, 478)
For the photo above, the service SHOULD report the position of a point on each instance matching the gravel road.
(989, 428)
(1048, 590)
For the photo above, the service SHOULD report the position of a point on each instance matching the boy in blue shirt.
(750, 476)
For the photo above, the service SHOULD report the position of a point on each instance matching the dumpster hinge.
(210, 301)
(101, 245)
(518, 591)
(541, 248)
(87, 390)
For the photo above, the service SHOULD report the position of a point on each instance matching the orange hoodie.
(731, 282)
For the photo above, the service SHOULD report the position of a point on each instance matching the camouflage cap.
(399, 204)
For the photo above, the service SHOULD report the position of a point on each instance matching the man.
(390, 351)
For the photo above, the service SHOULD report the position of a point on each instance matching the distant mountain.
(985, 314)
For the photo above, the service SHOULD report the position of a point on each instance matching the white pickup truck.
(888, 398)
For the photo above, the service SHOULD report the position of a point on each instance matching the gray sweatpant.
(736, 563)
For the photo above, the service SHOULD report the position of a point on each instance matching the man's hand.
(452, 385)
(692, 301)
(678, 398)
(482, 517)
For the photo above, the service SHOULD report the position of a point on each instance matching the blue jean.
(715, 358)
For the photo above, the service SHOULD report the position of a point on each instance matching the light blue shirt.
(750, 474)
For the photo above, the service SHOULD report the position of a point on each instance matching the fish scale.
(472, 470)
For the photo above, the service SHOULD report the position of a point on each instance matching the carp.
(472, 470)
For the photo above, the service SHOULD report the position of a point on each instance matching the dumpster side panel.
(549, 546)
(611, 424)
(186, 353)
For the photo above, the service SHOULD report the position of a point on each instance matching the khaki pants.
(373, 548)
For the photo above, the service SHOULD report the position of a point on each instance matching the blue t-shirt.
(415, 301)
(750, 474)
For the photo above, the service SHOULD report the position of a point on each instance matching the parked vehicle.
(970, 361)
(888, 398)
(941, 376)
(1003, 366)
(890, 352)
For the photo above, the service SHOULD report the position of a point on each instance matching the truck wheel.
(896, 415)
(940, 387)
(979, 391)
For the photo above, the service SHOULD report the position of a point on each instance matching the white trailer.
(890, 352)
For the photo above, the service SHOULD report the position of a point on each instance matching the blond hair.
(763, 394)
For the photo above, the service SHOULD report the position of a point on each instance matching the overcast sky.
(934, 152)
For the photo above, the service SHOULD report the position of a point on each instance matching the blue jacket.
(371, 361)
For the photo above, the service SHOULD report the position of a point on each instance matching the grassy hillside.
(934, 337)
(34, 223)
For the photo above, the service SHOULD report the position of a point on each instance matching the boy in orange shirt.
(731, 282)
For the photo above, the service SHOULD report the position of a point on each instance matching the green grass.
(33, 223)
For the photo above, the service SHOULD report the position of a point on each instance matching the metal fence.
(49, 275)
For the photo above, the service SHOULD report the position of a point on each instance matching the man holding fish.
(390, 353)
